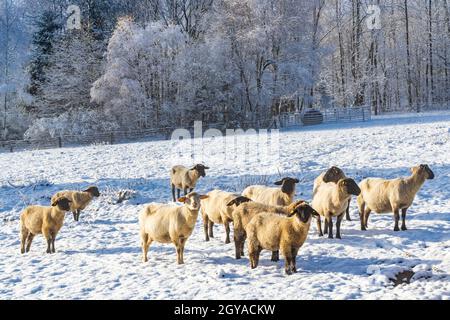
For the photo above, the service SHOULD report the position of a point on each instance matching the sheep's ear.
(296, 181)
(292, 213)
(232, 202)
(204, 196)
(205, 167)
(55, 202)
(279, 183)
(182, 199)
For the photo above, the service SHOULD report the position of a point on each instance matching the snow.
(99, 257)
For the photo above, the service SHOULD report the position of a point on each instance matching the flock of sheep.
(268, 217)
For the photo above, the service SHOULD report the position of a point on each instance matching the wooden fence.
(286, 120)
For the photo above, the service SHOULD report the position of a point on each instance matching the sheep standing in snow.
(79, 199)
(331, 200)
(383, 196)
(334, 174)
(275, 232)
(273, 196)
(169, 223)
(215, 209)
(186, 179)
(244, 212)
(46, 220)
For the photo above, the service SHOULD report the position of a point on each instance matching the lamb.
(79, 199)
(334, 174)
(169, 223)
(331, 200)
(383, 196)
(275, 232)
(273, 196)
(184, 178)
(243, 214)
(216, 210)
(46, 220)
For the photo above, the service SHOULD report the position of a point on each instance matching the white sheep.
(185, 178)
(216, 210)
(244, 212)
(42, 220)
(331, 200)
(273, 196)
(165, 223)
(274, 232)
(383, 196)
(334, 174)
(79, 199)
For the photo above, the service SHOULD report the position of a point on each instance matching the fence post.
(11, 148)
(59, 142)
(111, 138)
(363, 114)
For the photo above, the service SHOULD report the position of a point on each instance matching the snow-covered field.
(99, 257)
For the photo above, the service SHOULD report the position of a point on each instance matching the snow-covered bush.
(70, 123)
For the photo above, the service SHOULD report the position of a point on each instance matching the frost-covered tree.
(137, 87)
(73, 67)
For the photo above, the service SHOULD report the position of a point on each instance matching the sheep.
(215, 210)
(273, 196)
(334, 174)
(243, 214)
(169, 223)
(184, 178)
(79, 199)
(331, 200)
(383, 196)
(275, 232)
(46, 220)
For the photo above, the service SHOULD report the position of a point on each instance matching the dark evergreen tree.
(47, 27)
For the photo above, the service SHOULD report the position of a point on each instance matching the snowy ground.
(99, 257)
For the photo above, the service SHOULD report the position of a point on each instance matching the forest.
(134, 65)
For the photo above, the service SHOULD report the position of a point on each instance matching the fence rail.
(286, 120)
(326, 116)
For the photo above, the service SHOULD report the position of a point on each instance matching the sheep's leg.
(294, 259)
(191, 189)
(53, 241)
(238, 243)
(29, 241)
(325, 227)
(242, 245)
(205, 226)
(362, 215)
(23, 239)
(347, 212)
(180, 249)
(338, 226)
(185, 191)
(287, 253)
(78, 214)
(330, 227)
(145, 243)
(253, 252)
(404, 219)
(226, 224)
(173, 193)
(275, 256)
(366, 217)
(396, 219)
(319, 226)
(178, 194)
(210, 229)
(49, 242)
(74, 213)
